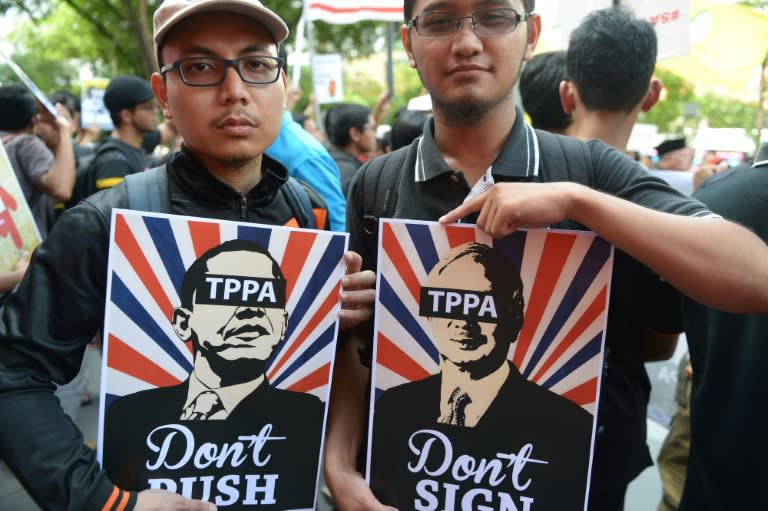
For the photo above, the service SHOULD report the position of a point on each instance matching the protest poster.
(327, 78)
(18, 230)
(218, 349)
(486, 367)
(27, 81)
(92, 108)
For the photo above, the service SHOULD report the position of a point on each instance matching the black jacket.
(57, 309)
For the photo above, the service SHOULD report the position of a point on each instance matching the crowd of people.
(691, 252)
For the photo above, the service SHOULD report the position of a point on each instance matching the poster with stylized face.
(218, 349)
(487, 363)
(18, 230)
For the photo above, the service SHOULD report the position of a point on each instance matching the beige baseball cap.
(172, 12)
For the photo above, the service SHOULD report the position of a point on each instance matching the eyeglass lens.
(488, 22)
(212, 70)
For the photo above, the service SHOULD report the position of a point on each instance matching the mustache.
(245, 329)
(237, 113)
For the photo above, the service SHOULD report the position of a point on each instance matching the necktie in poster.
(218, 343)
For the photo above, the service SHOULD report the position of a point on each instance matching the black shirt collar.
(199, 182)
(519, 159)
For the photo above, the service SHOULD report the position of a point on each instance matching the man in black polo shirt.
(726, 466)
(478, 156)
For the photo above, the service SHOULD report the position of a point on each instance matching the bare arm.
(346, 427)
(60, 178)
(712, 260)
(658, 346)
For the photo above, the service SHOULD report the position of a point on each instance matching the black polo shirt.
(428, 188)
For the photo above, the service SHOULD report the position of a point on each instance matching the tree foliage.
(116, 34)
(682, 107)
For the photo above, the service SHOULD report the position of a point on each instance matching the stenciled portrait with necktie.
(225, 434)
(476, 434)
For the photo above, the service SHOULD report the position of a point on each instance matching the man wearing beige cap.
(222, 84)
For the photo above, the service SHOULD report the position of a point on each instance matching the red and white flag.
(352, 11)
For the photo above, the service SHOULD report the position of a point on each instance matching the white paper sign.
(327, 78)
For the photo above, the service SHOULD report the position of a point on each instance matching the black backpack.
(84, 180)
(563, 159)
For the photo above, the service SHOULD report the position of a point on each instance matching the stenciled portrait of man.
(477, 433)
(224, 434)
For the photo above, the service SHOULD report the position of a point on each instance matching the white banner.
(351, 11)
(672, 19)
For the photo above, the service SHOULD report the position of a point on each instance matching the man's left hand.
(357, 293)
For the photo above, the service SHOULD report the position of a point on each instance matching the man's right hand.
(350, 492)
(161, 500)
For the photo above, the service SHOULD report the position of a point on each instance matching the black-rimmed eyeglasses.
(207, 71)
(488, 22)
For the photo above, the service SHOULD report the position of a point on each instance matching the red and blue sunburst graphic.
(566, 279)
(148, 258)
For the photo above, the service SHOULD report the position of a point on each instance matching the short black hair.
(70, 102)
(540, 90)
(196, 271)
(17, 107)
(611, 58)
(341, 117)
(408, 126)
(528, 6)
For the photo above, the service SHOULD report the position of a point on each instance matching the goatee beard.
(465, 112)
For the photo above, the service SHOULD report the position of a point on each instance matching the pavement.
(643, 494)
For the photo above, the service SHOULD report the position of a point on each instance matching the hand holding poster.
(487, 361)
(218, 344)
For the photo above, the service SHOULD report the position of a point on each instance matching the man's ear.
(160, 89)
(653, 94)
(534, 31)
(567, 91)
(405, 35)
(125, 115)
(354, 135)
(180, 323)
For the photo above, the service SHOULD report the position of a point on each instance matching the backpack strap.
(149, 191)
(298, 200)
(567, 158)
(381, 180)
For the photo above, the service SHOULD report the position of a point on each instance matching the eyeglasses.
(207, 71)
(488, 22)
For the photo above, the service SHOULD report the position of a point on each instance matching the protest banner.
(92, 108)
(18, 231)
(487, 365)
(218, 348)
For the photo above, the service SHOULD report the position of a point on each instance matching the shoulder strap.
(298, 200)
(566, 158)
(148, 191)
(381, 180)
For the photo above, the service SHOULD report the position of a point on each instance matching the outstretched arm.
(712, 260)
